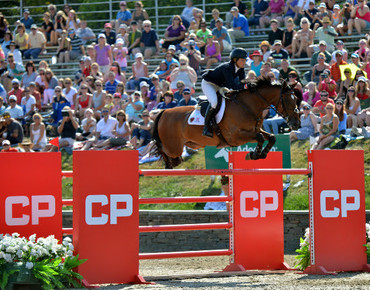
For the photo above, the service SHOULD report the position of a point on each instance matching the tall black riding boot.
(210, 114)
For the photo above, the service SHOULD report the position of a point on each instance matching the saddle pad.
(196, 117)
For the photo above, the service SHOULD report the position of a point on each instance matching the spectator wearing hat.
(145, 93)
(240, 27)
(27, 20)
(275, 33)
(123, 35)
(149, 43)
(326, 33)
(139, 73)
(28, 102)
(187, 99)
(294, 83)
(13, 50)
(16, 91)
(335, 70)
(14, 129)
(135, 107)
(256, 63)
(7, 148)
(323, 12)
(124, 16)
(340, 47)
(286, 69)
(303, 39)
(120, 54)
(278, 53)
(168, 102)
(221, 34)
(103, 54)
(322, 49)
(142, 130)
(175, 33)
(14, 70)
(36, 43)
(308, 125)
(15, 111)
(319, 107)
(360, 17)
(77, 47)
(178, 95)
(134, 38)
(85, 33)
(67, 128)
(260, 8)
(336, 18)
(110, 35)
(265, 50)
(355, 59)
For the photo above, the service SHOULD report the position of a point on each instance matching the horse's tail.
(155, 138)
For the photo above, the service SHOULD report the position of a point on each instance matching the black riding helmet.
(238, 53)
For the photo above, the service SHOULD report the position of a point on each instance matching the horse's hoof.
(248, 156)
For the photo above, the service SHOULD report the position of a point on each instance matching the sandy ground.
(190, 273)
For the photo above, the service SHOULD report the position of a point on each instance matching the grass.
(295, 198)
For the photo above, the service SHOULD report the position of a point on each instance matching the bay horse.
(241, 123)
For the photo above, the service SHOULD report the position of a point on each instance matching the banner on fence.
(219, 158)
(106, 228)
(31, 194)
(258, 213)
(337, 210)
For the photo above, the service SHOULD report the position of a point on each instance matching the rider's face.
(241, 62)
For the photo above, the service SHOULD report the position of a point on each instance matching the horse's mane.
(262, 82)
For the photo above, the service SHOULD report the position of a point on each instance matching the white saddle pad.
(196, 117)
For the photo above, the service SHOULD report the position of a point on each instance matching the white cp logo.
(115, 212)
(36, 212)
(268, 202)
(345, 205)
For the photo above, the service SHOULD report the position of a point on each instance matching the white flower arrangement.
(49, 261)
(303, 259)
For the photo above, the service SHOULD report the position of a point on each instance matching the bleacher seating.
(160, 22)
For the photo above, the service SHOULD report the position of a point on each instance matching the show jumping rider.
(229, 75)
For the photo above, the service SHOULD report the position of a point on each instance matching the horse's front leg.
(256, 154)
(271, 141)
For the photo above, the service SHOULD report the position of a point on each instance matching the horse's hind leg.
(271, 141)
(256, 154)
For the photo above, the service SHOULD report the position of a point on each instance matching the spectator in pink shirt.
(103, 54)
(275, 11)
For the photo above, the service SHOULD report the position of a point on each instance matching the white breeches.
(210, 91)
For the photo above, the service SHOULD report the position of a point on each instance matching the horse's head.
(287, 106)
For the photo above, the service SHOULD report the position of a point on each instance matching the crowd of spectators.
(112, 103)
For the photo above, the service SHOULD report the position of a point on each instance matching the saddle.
(203, 104)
